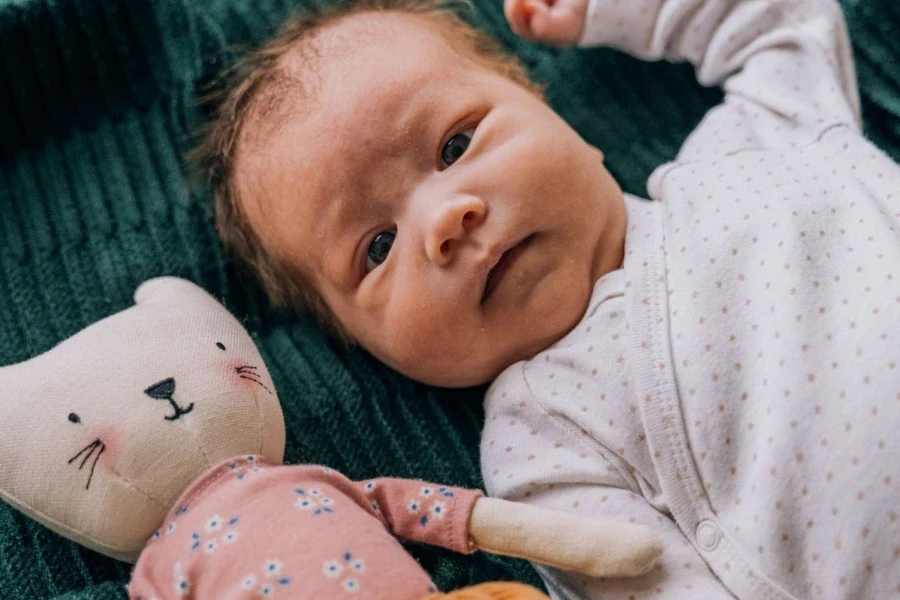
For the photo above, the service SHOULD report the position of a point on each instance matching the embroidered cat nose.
(164, 390)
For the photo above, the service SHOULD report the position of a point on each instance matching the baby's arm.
(786, 65)
(529, 455)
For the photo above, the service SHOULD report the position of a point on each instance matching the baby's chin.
(448, 374)
(469, 368)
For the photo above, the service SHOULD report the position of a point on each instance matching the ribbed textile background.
(97, 101)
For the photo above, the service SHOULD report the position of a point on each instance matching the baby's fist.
(557, 22)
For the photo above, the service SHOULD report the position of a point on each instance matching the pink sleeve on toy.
(423, 512)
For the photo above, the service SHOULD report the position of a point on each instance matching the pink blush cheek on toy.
(110, 437)
(247, 376)
(96, 449)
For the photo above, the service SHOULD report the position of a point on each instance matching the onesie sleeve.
(786, 65)
(419, 511)
(539, 456)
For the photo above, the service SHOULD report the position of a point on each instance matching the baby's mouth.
(504, 264)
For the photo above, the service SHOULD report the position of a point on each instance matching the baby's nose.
(451, 224)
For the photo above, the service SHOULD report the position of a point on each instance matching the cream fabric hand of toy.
(167, 439)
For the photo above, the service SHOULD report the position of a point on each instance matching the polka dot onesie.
(735, 385)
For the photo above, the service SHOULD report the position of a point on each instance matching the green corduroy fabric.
(97, 103)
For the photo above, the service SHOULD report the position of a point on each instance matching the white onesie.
(736, 385)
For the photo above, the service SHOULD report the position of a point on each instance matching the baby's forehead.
(396, 28)
(343, 63)
(369, 70)
(382, 41)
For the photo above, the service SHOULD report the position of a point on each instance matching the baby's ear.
(170, 290)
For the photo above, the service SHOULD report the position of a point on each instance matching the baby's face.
(450, 219)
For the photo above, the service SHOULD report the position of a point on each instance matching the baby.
(719, 363)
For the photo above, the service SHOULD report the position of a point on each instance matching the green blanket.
(97, 101)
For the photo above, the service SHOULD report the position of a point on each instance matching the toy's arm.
(463, 520)
(597, 547)
(423, 512)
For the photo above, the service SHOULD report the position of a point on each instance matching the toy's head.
(100, 435)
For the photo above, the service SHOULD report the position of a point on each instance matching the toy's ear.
(170, 290)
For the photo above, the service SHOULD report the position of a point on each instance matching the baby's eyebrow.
(404, 133)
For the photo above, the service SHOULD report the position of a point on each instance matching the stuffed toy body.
(166, 443)
(250, 528)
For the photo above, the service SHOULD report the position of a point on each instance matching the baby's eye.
(378, 250)
(455, 148)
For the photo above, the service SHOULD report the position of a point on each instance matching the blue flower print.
(230, 537)
(438, 510)
(242, 467)
(445, 492)
(313, 501)
(181, 585)
(413, 507)
(332, 568)
(248, 582)
(369, 487)
(358, 565)
(172, 526)
(271, 579)
(214, 525)
(426, 492)
(272, 567)
(375, 507)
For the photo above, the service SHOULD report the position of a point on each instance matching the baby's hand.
(557, 22)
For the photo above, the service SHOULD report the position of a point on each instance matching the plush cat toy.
(167, 443)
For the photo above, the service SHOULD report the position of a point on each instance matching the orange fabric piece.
(503, 590)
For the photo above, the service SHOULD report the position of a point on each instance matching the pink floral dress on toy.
(250, 529)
